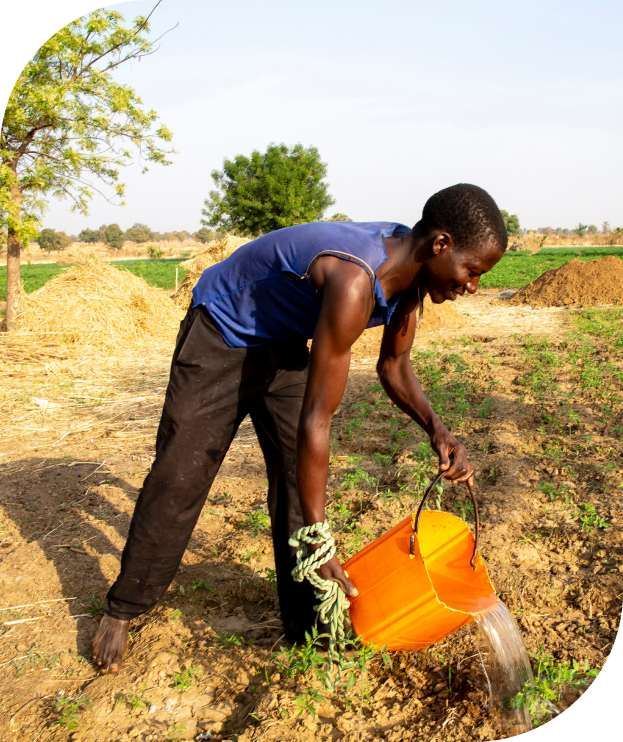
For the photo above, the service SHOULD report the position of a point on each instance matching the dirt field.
(534, 394)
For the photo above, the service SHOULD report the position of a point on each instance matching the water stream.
(506, 665)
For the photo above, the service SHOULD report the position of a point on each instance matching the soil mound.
(576, 283)
(215, 251)
(95, 304)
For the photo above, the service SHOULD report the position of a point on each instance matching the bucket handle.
(419, 510)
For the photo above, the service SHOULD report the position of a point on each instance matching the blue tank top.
(261, 292)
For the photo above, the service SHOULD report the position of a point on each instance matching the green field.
(156, 272)
(515, 270)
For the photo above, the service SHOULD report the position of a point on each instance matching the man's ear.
(441, 243)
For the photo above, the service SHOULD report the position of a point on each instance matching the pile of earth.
(576, 283)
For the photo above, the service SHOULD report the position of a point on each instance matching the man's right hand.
(333, 570)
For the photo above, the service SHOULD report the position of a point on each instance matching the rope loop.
(333, 603)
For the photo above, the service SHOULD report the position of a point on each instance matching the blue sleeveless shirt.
(261, 292)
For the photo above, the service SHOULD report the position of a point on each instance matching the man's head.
(463, 234)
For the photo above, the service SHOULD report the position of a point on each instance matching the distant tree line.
(114, 237)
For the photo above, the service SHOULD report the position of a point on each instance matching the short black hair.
(467, 213)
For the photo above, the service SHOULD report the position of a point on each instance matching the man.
(242, 349)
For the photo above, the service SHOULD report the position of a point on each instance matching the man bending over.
(242, 350)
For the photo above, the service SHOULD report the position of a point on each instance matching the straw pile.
(95, 304)
(215, 251)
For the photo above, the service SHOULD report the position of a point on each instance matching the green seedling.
(466, 510)
(176, 614)
(256, 522)
(201, 585)
(68, 708)
(227, 641)
(550, 678)
(555, 492)
(298, 660)
(95, 608)
(589, 517)
(305, 701)
(270, 575)
(135, 701)
(184, 680)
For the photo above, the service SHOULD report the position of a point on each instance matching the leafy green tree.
(592, 229)
(90, 236)
(113, 236)
(512, 223)
(204, 235)
(68, 123)
(139, 233)
(264, 192)
(50, 239)
(580, 230)
(339, 217)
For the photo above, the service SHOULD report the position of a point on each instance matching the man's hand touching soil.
(445, 445)
(110, 644)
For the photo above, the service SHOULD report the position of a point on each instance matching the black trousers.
(212, 388)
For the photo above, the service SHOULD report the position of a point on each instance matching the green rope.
(333, 603)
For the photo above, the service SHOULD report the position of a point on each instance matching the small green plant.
(184, 680)
(299, 660)
(270, 575)
(466, 510)
(256, 522)
(589, 517)
(176, 732)
(550, 678)
(176, 614)
(68, 708)
(201, 585)
(154, 252)
(95, 608)
(135, 701)
(306, 700)
(555, 491)
(227, 641)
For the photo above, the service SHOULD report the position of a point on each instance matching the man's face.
(451, 272)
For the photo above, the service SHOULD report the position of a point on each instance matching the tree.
(68, 120)
(50, 239)
(592, 229)
(339, 217)
(512, 223)
(113, 236)
(580, 229)
(204, 235)
(139, 233)
(90, 236)
(268, 191)
(605, 227)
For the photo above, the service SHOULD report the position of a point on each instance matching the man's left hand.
(445, 445)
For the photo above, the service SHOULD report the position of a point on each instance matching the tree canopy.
(139, 233)
(50, 239)
(264, 192)
(512, 223)
(68, 125)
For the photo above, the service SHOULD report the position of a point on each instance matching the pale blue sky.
(401, 98)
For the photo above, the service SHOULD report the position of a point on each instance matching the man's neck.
(400, 271)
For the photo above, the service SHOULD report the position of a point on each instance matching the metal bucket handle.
(419, 510)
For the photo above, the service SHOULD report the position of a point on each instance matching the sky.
(401, 98)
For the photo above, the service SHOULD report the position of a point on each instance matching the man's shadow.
(53, 503)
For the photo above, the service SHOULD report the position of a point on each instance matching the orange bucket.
(420, 581)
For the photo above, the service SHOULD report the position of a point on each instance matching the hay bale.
(95, 304)
(215, 251)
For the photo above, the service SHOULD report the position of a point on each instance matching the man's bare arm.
(402, 387)
(346, 307)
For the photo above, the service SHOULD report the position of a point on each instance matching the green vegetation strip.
(159, 273)
(516, 269)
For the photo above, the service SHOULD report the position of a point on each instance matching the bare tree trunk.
(13, 287)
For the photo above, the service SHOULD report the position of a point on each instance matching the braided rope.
(333, 602)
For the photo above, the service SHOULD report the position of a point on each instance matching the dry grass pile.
(576, 283)
(215, 251)
(95, 304)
